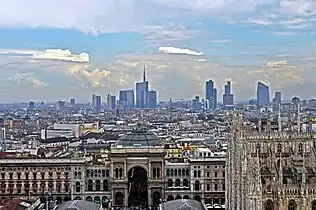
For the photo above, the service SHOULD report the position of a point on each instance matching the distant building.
(31, 105)
(196, 103)
(152, 99)
(111, 102)
(126, 99)
(211, 94)
(60, 105)
(228, 97)
(98, 103)
(276, 101)
(142, 92)
(263, 95)
(72, 101)
(2, 138)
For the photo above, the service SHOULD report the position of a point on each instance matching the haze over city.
(55, 50)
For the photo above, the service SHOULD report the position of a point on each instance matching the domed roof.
(140, 136)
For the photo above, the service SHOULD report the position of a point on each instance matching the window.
(199, 173)
(208, 187)
(185, 183)
(154, 173)
(105, 185)
(90, 185)
(223, 187)
(279, 148)
(107, 173)
(177, 183)
(170, 182)
(121, 173)
(97, 185)
(292, 205)
(167, 172)
(215, 187)
(195, 173)
(223, 173)
(314, 205)
(208, 174)
(78, 187)
(300, 148)
(197, 185)
(268, 205)
(215, 174)
(116, 173)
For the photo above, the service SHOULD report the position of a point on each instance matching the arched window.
(167, 172)
(185, 183)
(177, 183)
(75, 174)
(183, 172)
(90, 185)
(279, 148)
(175, 172)
(154, 173)
(195, 173)
(103, 173)
(268, 205)
(314, 205)
(179, 172)
(97, 185)
(171, 172)
(292, 205)
(197, 185)
(300, 148)
(119, 199)
(107, 173)
(78, 188)
(105, 185)
(199, 173)
(170, 182)
(187, 172)
(158, 173)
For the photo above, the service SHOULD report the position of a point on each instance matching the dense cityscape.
(139, 154)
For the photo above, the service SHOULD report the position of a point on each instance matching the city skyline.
(90, 48)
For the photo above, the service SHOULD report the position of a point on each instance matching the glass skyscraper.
(263, 95)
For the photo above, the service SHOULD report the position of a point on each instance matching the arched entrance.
(89, 198)
(137, 187)
(156, 198)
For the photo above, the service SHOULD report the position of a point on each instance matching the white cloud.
(175, 50)
(221, 41)
(276, 64)
(27, 79)
(63, 55)
(259, 22)
(49, 54)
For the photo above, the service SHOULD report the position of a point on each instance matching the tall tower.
(144, 74)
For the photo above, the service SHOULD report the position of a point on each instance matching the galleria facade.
(134, 172)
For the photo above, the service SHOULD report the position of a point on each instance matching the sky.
(61, 49)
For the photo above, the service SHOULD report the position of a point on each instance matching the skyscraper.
(72, 101)
(211, 94)
(111, 102)
(276, 101)
(228, 97)
(98, 103)
(126, 99)
(263, 95)
(142, 92)
(152, 99)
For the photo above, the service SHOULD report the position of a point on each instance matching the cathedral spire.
(144, 74)
(279, 119)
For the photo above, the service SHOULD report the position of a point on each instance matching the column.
(149, 197)
(125, 173)
(125, 197)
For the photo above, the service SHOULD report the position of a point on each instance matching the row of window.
(177, 172)
(300, 149)
(98, 173)
(35, 175)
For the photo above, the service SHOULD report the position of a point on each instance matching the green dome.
(139, 136)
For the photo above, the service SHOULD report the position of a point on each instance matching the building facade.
(270, 170)
(134, 172)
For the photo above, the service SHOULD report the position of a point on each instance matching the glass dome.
(139, 136)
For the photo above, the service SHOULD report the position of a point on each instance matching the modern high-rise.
(72, 101)
(152, 99)
(2, 138)
(228, 97)
(126, 99)
(263, 95)
(60, 105)
(98, 103)
(111, 102)
(211, 94)
(276, 101)
(142, 92)
(31, 105)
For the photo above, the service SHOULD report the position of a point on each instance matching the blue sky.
(55, 50)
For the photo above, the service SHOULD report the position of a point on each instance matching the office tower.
(196, 104)
(31, 105)
(228, 97)
(111, 102)
(263, 95)
(60, 105)
(142, 92)
(152, 99)
(98, 103)
(276, 101)
(126, 99)
(211, 94)
(72, 101)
